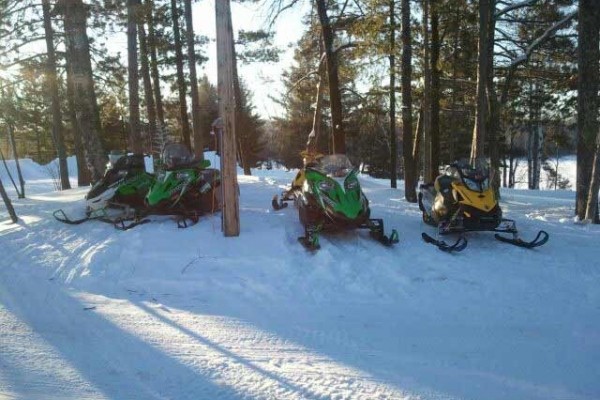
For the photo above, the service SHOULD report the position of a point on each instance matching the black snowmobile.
(123, 187)
(461, 201)
(328, 196)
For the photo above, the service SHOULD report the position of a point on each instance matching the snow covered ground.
(88, 312)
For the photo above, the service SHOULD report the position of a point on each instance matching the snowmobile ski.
(278, 203)
(124, 224)
(458, 246)
(540, 239)
(310, 240)
(185, 221)
(99, 214)
(376, 230)
(60, 215)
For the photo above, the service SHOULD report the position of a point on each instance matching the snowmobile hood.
(482, 200)
(339, 195)
(127, 187)
(169, 184)
(172, 185)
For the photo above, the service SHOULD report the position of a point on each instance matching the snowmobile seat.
(123, 166)
(177, 155)
(443, 184)
(130, 162)
(188, 164)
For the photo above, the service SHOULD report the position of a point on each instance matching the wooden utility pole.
(231, 208)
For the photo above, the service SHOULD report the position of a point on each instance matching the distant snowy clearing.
(157, 312)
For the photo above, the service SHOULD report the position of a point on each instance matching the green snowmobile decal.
(172, 185)
(342, 197)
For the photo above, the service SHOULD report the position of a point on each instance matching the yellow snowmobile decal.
(484, 201)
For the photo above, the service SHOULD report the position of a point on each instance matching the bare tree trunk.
(83, 173)
(479, 133)
(8, 203)
(8, 173)
(591, 211)
(154, 63)
(135, 138)
(238, 106)
(534, 142)
(511, 161)
(587, 100)
(454, 101)
(393, 139)
(183, 113)
(556, 167)
(38, 144)
(541, 155)
(312, 142)
(78, 47)
(417, 143)
(410, 170)
(493, 118)
(148, 95)
(435, 90)
(196, 114)
(535, 155)
(504, 172)
(13, 145)
(427, 139)
(318, 114)
(57, 126)
(335, 99)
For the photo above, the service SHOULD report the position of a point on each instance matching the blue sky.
(265, 78)
(262, 79)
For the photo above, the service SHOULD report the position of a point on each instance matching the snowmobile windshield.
(335, 165)
(475, 178)
(176, 154)
(113, 157)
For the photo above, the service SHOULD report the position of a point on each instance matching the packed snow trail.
(88, 312)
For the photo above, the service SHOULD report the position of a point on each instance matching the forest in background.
(403, 87)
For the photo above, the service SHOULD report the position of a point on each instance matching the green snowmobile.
(184, 187)
(123, 186)
(328, 196)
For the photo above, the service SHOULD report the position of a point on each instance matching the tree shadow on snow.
(115, 362)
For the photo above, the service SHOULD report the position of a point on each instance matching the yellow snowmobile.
(462, 200)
